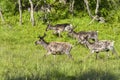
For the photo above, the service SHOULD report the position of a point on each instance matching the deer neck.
(44, 44)
(52, 27)
(89, 45)
(75, 34)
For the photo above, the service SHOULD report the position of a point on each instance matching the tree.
(88, 9)
(1, 16)
(32, 13)
(20, 11)
(72, 6)
(96, 16)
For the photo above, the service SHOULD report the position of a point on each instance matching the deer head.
(41, 39)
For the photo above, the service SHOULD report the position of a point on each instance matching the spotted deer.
(58, 28)
(101, 46)
(55, 48)
(81, 36)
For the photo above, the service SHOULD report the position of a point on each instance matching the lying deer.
(55, 48)
(101, 46)
(81, 36)
(58, 28)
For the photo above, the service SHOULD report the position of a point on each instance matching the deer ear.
(39, 37)
(97, 31)
(44, 35)
(46, 28)
(75, 26)
(48, 25)
(86, 37)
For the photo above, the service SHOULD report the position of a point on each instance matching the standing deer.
(101, 46)
(55, 48)
(81, 36)
(58, 28)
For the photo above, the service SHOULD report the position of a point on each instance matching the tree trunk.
(63, 1)
(32, 13)
(1, 16)
(20, 11)
(96, 16)
(97, 7)
(88, 9)
(46, 11)
(72, 6)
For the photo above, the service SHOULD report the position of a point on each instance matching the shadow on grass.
(97, 75)
(56, 75)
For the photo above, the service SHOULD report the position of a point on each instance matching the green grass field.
(21, 59)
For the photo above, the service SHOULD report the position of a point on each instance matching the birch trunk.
(97, 7)
(72, 6)
(20, 11)
(32, 13)
(88, 9)
(1, 16)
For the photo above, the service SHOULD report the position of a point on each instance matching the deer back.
(59, 47)
(50, 27)
(93, 35)
(102, 45)
(73, 34)
(59, 27)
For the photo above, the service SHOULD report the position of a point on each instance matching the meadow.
(21, 59)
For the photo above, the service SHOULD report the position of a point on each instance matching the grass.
(21, 59)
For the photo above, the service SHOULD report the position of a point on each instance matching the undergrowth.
(21, 59)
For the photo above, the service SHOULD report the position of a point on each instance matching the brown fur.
(81, 36)
(55, 48)
(101, 46)
(58, 28)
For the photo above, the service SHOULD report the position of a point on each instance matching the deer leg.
(76, 44)
(97, 56)
(88, 56)
(55, 33)
(69, 55)
(59, 33)
(54, 57)
(114, 52)
(48, 53)
(107, 55)
(92, 52)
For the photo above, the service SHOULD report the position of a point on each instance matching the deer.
(55, 48)
(81, 36)
(58, 28)
(101, 46)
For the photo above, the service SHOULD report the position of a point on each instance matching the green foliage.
(21, 59)
(60, 12)
(8, 6)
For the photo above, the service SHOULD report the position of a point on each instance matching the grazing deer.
(101, 46)
(55, 48)
(58, 28)
(81, 36)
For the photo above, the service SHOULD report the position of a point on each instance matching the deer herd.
(83, 37)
